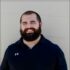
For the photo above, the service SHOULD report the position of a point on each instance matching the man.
(33, 51)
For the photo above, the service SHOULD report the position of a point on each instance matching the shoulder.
(13, 46)
(52, 46)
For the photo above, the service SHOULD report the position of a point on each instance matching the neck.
(32, 43)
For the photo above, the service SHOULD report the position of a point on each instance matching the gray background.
(55, 22)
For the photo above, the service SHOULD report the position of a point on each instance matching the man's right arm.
(4, 64)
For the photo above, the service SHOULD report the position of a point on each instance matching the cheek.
(22, 27)
(36, 26)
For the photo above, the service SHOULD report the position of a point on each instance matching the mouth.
(29, 31)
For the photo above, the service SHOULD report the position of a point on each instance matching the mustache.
(30, 29)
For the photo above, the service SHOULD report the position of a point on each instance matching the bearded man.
(33, 51)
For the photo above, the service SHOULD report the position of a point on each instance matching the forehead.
(26, 17)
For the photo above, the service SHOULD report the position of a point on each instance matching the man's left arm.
(61, 62)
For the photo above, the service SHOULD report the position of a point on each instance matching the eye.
(24, 23)
(33, 22)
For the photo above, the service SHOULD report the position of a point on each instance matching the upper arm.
(4, 64)
(61, 62)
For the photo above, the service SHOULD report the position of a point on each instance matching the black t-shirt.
(43, 56)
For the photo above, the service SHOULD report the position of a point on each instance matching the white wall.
(55, 18)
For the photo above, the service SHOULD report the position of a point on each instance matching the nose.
(28, 25)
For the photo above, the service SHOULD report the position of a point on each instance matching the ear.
(40, 24)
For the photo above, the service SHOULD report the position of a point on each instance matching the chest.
(32, 59)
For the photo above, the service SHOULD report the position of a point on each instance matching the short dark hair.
(31, 12)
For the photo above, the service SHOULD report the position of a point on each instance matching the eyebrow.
(26, 21)
(32, 21)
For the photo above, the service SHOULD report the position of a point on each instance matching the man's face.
(30, 27)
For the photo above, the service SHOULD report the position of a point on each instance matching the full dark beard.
(30, 36)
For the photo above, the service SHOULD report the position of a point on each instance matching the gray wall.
(55, 19)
